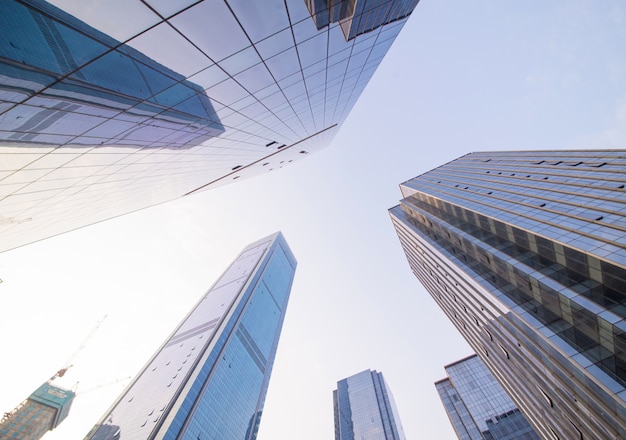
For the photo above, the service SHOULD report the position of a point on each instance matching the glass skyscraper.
(525, 252)
(365, 409)
(110, 107)
(210, 377)
(478, 406)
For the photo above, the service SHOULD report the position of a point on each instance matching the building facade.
(210, 377)
(365, 409)
(357, 17)
(525, 252)
(43, 411)
(477, 405)
(106, 110)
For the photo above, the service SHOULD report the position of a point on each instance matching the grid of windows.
(561, 307)
(365, 410)
(462, 422)
(210, 377)
(116, 107)
(44, 410)
(524, 251)
(31, 422)
(480, 407)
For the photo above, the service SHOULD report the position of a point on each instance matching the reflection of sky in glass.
(365, 409)
(119, 96)
(438, 98)
(358, 17)
(539, 233)
(183, 97)
(476, 386)
(478, 406)
(210, 377)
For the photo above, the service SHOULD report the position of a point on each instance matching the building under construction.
(43, 411)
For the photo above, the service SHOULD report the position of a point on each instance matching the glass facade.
(110, 107)
(43, 411)
(365, 409)
(478, 406)
(526, 253)
(209, 379)
(357, 17)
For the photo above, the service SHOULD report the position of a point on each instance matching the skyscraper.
(365, 409)
(478, 406)
(43, 411)
(210, 377)
(525, 252)
(107, 110)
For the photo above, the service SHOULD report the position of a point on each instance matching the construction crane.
(103, 385)
(69, 363)
(32, 418)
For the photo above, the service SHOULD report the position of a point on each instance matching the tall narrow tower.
(365, 409)
(210, 377)
(525, 252)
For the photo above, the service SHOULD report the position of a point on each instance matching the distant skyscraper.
(365, 410)
(43, 411)
(210, 378)
(107, 110)
(525, 251)
(478, 406)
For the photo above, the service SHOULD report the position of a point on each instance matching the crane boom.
(68, 364)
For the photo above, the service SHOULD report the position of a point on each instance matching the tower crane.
(32, 418)
(68, 364)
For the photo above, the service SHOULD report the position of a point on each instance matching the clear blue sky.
(463, 76)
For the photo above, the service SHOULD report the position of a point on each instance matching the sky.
(461, 77)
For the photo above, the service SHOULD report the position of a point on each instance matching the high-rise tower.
(477, 405)
(43, 411)
(365, 409)
(107, 110)
(210, 377)
(525, 251)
